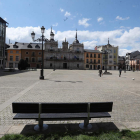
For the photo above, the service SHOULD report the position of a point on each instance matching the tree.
(22, 64)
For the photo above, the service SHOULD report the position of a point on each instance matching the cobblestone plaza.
(71, 86)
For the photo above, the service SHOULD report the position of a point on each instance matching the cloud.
(99, 19)
(67, 14)
(123, 27)
(5, 19)
(127, 40)
(122, 52)
(56, 24)
(120, 18)
(61, 9)
(84, 22)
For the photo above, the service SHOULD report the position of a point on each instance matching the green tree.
(22, 64)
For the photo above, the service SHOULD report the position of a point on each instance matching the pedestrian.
(100, 72)
(120, 70)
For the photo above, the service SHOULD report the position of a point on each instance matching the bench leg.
(85, 125)
(40, 126)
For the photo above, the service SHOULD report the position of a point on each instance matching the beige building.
(110, 59)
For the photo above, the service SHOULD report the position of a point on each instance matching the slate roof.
(134, 54)
(34, 46)
(137, 57)
(120, 58)
(95, 51)
(2, 20)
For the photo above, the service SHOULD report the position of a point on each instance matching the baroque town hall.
(71, 57)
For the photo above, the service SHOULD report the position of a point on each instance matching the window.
(87, 66)
(11, 51)
(110, 56)
(77, 65)
(17, 51)
(27, 53)
(50, 64)
(114, 51)
(29, 46)
(17, 58)
(114, 62)
(98, 61)
(110, 51)
(98, 55)
(94, 55)
(33, 59)
(39, 53)
(91, 55)
(27, 59)
(94, 61)
(77, 49)
(16, 65)
(11, 58)
(33, 53)
(87, 54)
(114, 56)
(39, 59)
(10, 65)
(110, 61)
(37, 46)
(137, 61)
(90, 60)
(87, 60)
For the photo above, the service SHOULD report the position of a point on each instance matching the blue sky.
(95, 20)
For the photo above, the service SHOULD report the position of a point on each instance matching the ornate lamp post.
(106, 52)
(42, 38)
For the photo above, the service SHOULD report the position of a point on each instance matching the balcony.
(66, 59)
(51, 50)
(77, 51)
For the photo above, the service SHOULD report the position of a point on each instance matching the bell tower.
(65, 45)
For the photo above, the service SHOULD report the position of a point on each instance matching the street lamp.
(42, 38)
(106, 52)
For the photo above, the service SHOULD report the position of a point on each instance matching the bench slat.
(25, 107)
(26, 116)
(101, 107)
(64, 107)
(49, 116)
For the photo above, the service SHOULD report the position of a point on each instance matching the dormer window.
(29, 46)
(37, 46)
(15, 46)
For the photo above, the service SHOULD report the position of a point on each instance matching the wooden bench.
(61, 111)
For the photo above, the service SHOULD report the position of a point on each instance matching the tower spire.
(76, 35)
(51, 29)
(108, 40)
(65, 39)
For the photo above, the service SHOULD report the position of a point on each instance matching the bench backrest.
(25, 107)
(31, 107)
(101, 107)
(64, 107)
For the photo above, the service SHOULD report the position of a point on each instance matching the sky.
(95, 21)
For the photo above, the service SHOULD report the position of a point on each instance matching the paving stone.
(73, 86)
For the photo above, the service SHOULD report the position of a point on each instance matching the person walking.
(100, 72)
(120, 70)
